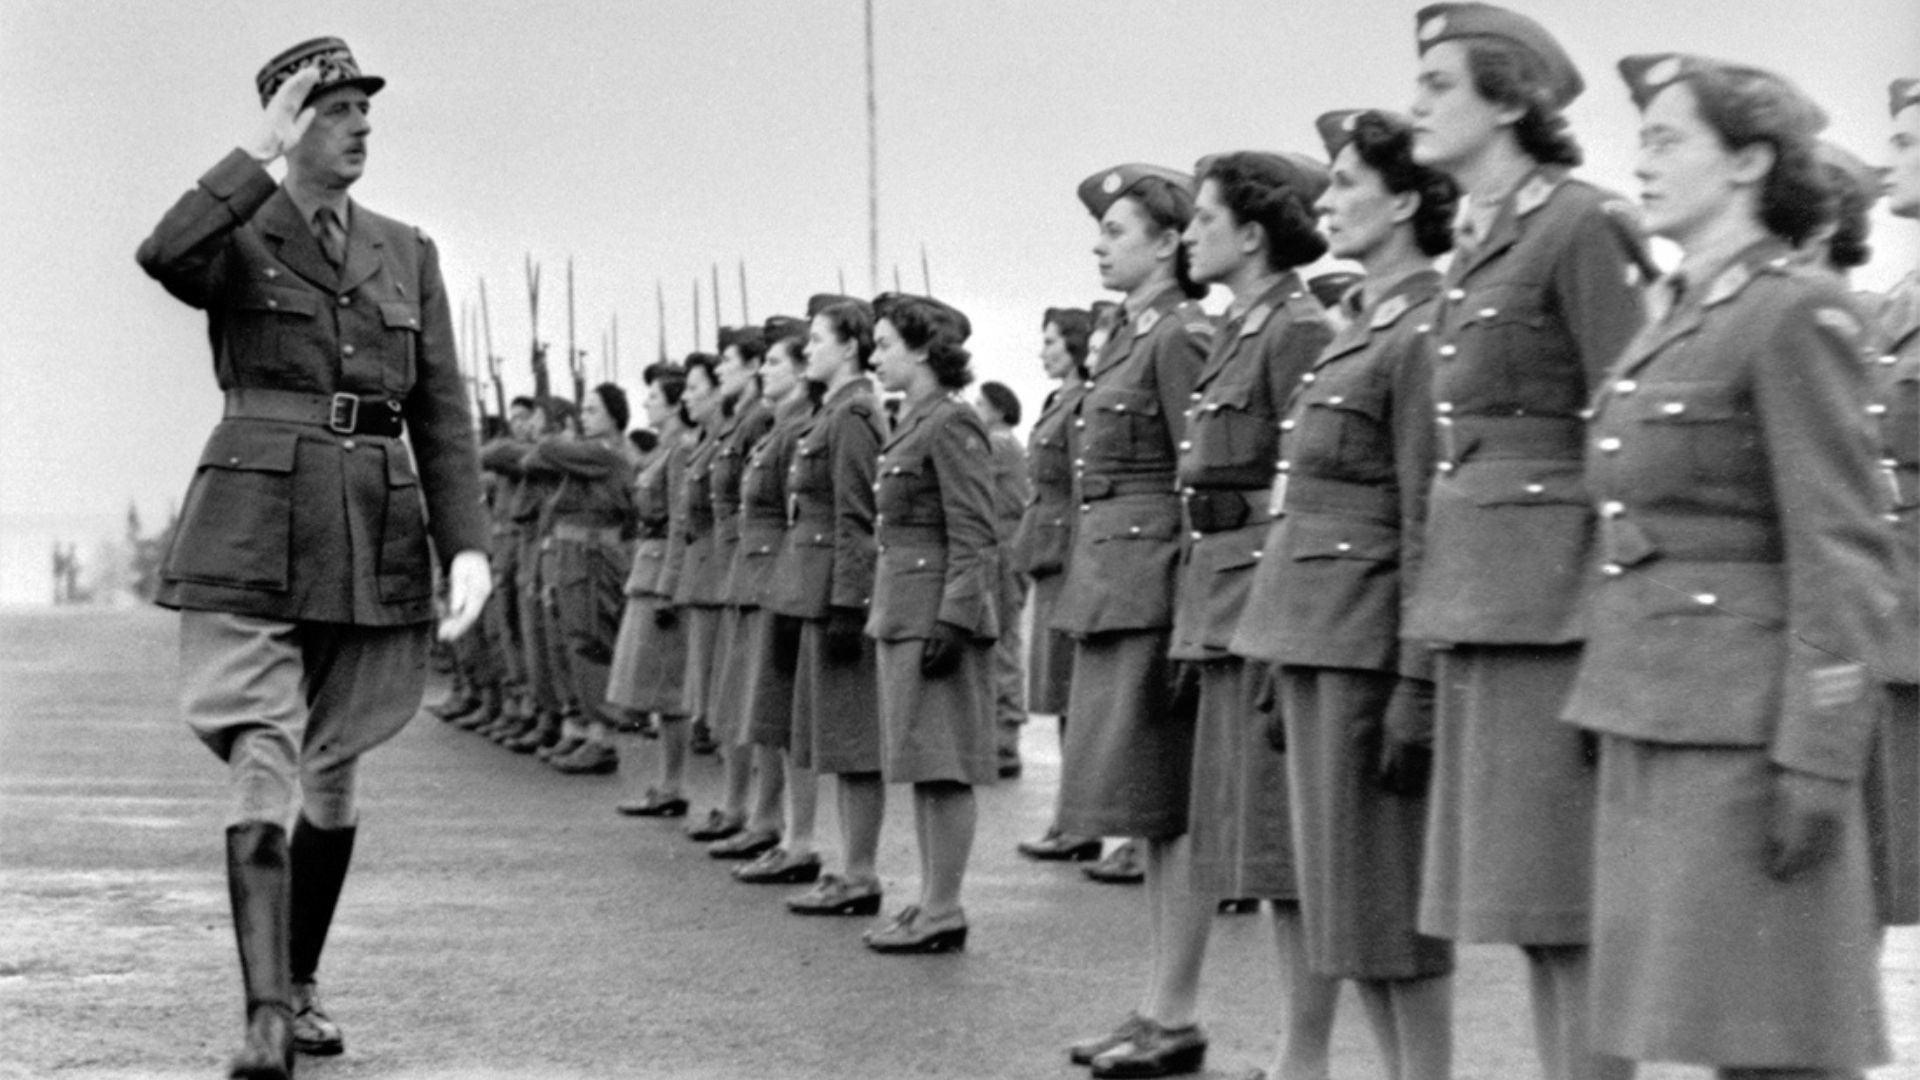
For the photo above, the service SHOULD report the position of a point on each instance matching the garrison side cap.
(1647, 74)
(1902, 94)
(1304, 176)
(777, 327)
(1101, 190)
(1337, 128)
(1054, 314)
(820, 302)
(953, 316)
(1436, 23)
(330, 54)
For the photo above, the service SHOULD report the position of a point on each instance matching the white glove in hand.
(285, 120)
(469, 582)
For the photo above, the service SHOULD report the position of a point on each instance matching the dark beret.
(1436, 23)
(1101, 190)
(330, 55)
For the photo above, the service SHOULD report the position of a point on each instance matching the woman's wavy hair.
(1509, 74)
(1384, 143)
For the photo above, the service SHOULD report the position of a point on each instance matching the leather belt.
(607, 535)
(1463, 438)
(1213, 511)
(1093, 488)
(1305, 493)
(342, 414)
(1628, 542)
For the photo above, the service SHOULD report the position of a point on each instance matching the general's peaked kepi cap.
(1101, 190)
(1436, 23)
(1903, 94)
(333, 58)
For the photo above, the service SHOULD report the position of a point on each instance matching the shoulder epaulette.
(1389, 312)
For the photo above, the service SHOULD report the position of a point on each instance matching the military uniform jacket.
(1896, 412)
(939, 553)
(1231, 455)
(1349, 511)
(656, 556)
(289, 520)
(501, 458)
(594, 482)
(1126, 545)
(1745, 587)
(1010, 489)
(1528, 321)
(1044, 537)
(700, 574)
(763, 505)
(749, 426)
(829, 554)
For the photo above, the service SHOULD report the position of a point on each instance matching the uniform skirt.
(936, 729)
(1699, 955)
(766, 702)
(703, 638)
(649, 663)
(1510, 827)
(1892, 785)
(836, 707)
(1358, 846)
(1127, 768)
(728, 693)
(1239, 821)
(1050, 653)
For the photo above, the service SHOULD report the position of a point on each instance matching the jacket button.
(1876, 409)
(1445, 466)
(1457, 294)
(1286, 425)
(1612, 508)
(1674, 408)
(1536, 489)
(345, 300)
(1336, 400)
(1134, 531)
(1196, 534)
(272, 303)
(1448, 350)
(1443, 407)
(1195, 396)
(1889, 359)
(233, 461)
(1625, 386)
(1257, 553)
(919, 562)
(346, 444)
(1612, 569)
(272, 273)
(1705, 599)
(346, 350)
(1488, 313)
(1186, 444)
(1283, 465)
(1609, 444)
(1308, 379)
(1343, 546)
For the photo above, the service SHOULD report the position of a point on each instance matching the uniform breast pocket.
(236, 527)
(907, 493)
(1226, 429)
(401, 321)
(1344, 425)
(1705, 428)
(1124, 424)
(1508, 320)
(268, 323)
(403, 571)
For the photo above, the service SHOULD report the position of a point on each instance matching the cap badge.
(1111, 184)
(1351, 123)
(1663, 72)
(1433, 28)
(1389, 312)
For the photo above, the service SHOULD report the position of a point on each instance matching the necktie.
(332, 236)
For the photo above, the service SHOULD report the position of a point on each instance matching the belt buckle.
(343, 415)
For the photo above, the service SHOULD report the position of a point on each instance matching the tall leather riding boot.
(258, 883)
(320, 860)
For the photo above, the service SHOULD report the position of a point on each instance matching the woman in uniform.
(935, 608)
(592, 518)
(1744, 584)
(824, 580)
(1355, 704)
(751, 417)
(1044, 540)
(764, 674)
(1253, 226)
(1128, 760)
(1542, 294)
(649, 657)
(702, 576)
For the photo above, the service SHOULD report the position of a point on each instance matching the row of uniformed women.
(1598, 632)
(848, 610)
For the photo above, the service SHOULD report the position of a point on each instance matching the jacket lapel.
(293, 242)
(363, 251)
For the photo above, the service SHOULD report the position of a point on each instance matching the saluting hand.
(285, 119)
(1809, 814)
(469, 583)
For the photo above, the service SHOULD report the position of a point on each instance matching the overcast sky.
(650, 140)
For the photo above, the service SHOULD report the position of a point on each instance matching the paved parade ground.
(502, 921)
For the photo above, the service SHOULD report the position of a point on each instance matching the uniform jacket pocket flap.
(1685, 402)
(400, 315)
(1368, 399)
(1754, 593)
(281, 300)
(251, 448)
(1316, 537)
(1504, 304)
(400, 472)
(1134, 402)
(1135, 527)
(1522, 483)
